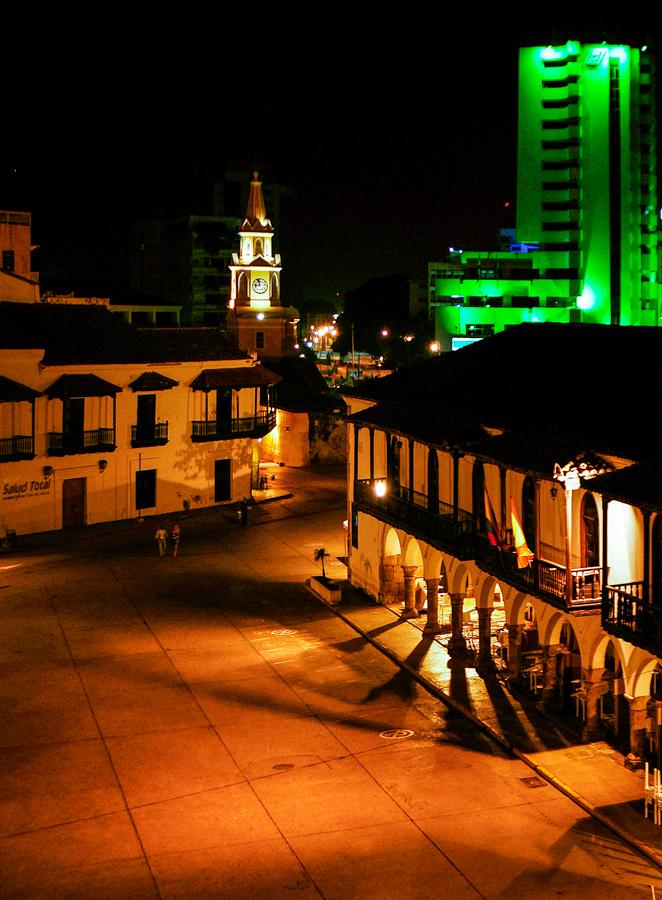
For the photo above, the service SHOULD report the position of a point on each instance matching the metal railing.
(63, 443)
(149, 436)
(247, 426)
(434, 521)
(20, 446)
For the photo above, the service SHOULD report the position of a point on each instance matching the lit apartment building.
(586, 243)
(508, 486)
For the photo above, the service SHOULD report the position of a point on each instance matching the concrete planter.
(326, 588)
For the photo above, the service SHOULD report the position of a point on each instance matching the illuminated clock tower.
(256, 318)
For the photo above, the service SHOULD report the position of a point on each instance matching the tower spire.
(255, 210)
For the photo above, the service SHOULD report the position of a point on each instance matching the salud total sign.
(22, 490)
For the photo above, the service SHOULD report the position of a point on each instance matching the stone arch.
(392, 544)
(516, 609)
(458, 573)
(275, 288)
(485, 592)
(391, 575)
(596, 654)
(413, 555)
(259, 247)
(242, 286)
(640, 676)
(434, 560)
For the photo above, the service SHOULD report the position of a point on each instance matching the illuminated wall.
(586, 230)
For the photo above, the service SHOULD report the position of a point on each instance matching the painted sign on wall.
(22, 490)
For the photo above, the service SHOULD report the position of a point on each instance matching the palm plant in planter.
(320, 555)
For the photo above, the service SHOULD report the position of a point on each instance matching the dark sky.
(395, 131)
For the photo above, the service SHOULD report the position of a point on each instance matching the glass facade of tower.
(586, 242)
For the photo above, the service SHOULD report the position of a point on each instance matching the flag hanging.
(491, 527)
(524, 555)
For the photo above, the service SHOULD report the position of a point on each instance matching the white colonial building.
(100, 421)
(511, 491)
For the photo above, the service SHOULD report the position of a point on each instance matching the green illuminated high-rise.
(586, 244)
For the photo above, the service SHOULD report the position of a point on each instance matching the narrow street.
(204, 727)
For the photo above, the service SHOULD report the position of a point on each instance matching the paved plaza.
(205, 727)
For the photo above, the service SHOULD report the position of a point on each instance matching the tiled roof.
(15, 392)
(88, 385)
(447, 428)
(639, 485)
(153, 381)
(302, 388)
(246, 376)
(82, 335)
(589, 385)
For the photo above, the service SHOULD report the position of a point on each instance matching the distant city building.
(586, 245)
(17, 280)
(184, 261)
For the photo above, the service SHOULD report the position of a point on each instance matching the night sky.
(396, 132)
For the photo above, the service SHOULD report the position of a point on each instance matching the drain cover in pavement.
(280, 631)
(533, 781)
(579, 753)
(396, 733)
(280, 767)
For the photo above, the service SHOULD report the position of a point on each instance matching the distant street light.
(435, 346)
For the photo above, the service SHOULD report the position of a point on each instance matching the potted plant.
(320, 555)
(324, 587)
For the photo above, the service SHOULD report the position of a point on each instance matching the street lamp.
(380, 489)
(569, 478)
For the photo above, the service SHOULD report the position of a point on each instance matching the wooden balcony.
(545, 579)
(16, 448)
(98, 440)
(627, 613)
(450, 530)
(154, 435)
(247, 427)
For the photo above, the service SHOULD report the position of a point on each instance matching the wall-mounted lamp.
(553, 492)
(48, 471)
(103, 465)
(380, 489)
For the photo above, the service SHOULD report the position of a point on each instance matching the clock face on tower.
(260, 285)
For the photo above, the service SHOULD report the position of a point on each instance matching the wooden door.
(222, 480)
(74, 502)
(146, 417)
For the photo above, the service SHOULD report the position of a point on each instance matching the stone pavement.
(591, 774)
(204, 727)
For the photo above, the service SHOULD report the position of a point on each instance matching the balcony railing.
(62, 443)
(12, 449)
(546, 579)
(436, 522)
(455, 531)
(628, 614)
(153, 435)
(246, 427)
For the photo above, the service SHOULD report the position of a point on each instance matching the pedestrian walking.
(175, 535)
(161, 538)
(244, 512)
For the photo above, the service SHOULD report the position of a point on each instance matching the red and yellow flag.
(524, 555)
